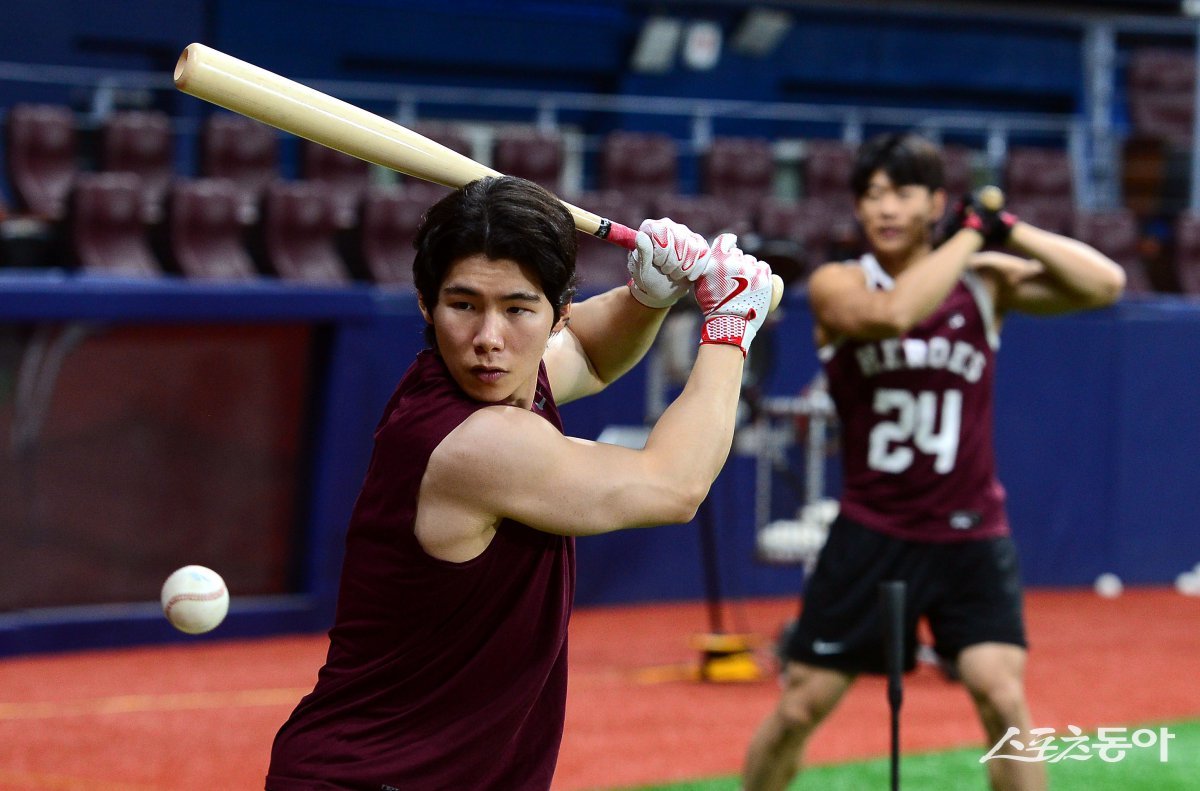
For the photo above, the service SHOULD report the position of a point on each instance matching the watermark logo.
(1108, 744)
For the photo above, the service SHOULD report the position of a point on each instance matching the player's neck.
(896, 262)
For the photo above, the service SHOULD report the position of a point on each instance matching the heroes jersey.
(916, 420)
(439, 675)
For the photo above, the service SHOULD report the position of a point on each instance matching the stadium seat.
(707, 215)
(530, 154)
(739, 169)
(641, 165)
(827, 167)
(387, 227)
(41, 146)
(601, 265)
(1163, 116)
(298, 234)
(1055, 214)
(826, 227)
(1115, 233)
(106, 227)
(141, 142)
(959, 161)
(1038, 173)
(205, 238)
(243, 150)
(345, 178)
(1187, 252)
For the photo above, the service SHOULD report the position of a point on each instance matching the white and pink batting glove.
(734, 294)
(666, 252)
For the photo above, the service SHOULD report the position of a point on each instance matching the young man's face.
(897, 218)
(492, 323)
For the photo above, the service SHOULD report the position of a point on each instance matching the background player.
(447, 664)
(907, 336)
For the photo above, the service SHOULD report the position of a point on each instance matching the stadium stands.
(530, 154)
(345, 178)
(639, 164)
(141, 142)
(298, 234)
(205, 239)
(387, 227)
(40, 151)
(738, 169)
(243, 150)
(106, 227)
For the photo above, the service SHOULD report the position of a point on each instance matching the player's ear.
(424, 310)
(564, 318)
(939, 204)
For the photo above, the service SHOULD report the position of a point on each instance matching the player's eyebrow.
(515, 296)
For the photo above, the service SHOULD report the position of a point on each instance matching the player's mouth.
(487, 374)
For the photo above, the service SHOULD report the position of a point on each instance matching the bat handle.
(620, 235)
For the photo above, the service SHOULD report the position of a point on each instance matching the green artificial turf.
(1139, 770)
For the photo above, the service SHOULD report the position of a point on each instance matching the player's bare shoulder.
(481, 450)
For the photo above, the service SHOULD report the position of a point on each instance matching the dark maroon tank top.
(439, 675)
(916, 421)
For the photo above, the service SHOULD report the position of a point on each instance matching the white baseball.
(195, 599)
(1109, 585)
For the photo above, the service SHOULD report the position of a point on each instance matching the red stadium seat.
(299, 235)
(346, 178)
(530, 154)
(1115, 233)
(1187, 252)
(825, 227)
(959, 162)
(640, 165)
(1038, 173)
(141, 142)
(205, 238)
(739, 169)
(387, 227)
(707, 215)
(41, 144)
(827, 167)
(106, 226)
(243, 150)
(1055, 214)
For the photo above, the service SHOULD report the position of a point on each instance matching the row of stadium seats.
(638, 175)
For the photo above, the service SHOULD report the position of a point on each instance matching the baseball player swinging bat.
(248, 90)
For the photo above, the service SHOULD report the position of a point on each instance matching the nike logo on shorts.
(824, 648)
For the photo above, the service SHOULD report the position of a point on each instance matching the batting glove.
(734, 294)
(666, 252)
(983, 211)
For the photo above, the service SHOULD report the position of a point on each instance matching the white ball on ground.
(1109, 585)
(195, 599)
(1188, 583)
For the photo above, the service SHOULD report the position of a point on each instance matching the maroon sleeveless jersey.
(439, 675)
(916, 421)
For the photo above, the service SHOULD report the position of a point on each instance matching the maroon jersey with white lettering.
(439, 675)
(916, 420)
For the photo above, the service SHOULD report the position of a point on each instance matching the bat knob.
(776, 292)
(991, 198)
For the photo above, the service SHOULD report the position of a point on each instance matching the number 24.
(916, 419)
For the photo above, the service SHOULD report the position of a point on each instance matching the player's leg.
(777, 749)
(838, 635)
(978, 623)
(994, 674)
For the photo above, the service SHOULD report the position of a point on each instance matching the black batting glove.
(983, 211)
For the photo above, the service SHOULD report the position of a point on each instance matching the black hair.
(502, 218)
(906, 158)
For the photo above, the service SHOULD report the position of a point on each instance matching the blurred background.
(201, 317)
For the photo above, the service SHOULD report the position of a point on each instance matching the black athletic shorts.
(969, 591)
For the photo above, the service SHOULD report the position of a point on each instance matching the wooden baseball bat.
(252, 91)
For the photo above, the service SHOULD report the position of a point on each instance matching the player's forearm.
(924, 285)
(1095, 277)
(691, 440)
(615, 331)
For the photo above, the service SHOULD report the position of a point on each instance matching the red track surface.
(202, 716)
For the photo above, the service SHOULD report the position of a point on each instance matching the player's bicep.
(514, 464)
(843, 305)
